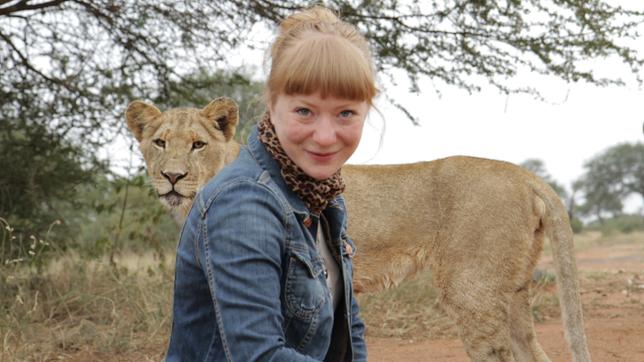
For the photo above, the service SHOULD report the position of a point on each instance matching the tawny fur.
(179, 129)
(478, 224)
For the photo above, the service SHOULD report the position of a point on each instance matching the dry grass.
(83, 310)
(76, 309)
(636, 238)
(590, 239)
(412, 311)
(407, 311)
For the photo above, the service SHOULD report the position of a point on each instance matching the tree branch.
(23, 5)
(33, 69)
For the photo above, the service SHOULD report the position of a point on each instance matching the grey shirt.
(333, 277)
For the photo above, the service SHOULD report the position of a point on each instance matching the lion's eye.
(197, 145)
(159, 142)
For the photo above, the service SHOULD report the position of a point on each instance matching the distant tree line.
(610, 178)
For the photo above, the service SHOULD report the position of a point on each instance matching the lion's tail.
(557, 229)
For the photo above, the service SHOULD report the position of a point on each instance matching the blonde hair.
(315, 51)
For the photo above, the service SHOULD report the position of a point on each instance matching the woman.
(263, 267)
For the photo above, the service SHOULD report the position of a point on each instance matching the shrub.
(620, 224)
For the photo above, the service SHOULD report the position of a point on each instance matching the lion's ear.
(138, 115)
(224, 114)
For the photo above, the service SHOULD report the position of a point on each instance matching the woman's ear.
(270, 108)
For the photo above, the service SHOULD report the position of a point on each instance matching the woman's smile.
(322, 156)
(318, 133)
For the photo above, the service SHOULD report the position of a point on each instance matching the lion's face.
(183, 147)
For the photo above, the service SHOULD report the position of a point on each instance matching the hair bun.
(316, 52)
(316, 14)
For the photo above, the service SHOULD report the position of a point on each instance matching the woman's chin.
(321, 173)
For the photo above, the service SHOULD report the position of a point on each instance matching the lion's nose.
(173, 177)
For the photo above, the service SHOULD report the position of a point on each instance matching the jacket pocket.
(304, 291)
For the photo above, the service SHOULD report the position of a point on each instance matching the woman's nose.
(325, 133)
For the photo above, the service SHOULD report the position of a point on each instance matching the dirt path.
(612, 282)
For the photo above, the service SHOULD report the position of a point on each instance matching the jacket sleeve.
(242, 248)
(358, 344)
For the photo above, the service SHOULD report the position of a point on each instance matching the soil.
(612, 290)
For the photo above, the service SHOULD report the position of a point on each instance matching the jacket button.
(348, 249)
(307, 221)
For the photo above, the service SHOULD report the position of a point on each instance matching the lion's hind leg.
(524, 341)
(481, 317)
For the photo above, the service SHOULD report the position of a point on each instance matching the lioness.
(478, 224)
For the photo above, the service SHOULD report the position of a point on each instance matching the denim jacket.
(249, 282)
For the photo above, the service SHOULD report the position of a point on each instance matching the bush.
(123, 213)
(577, 225)
(40, 172)
(619, 224)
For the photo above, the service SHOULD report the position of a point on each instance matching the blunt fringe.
(317, 52)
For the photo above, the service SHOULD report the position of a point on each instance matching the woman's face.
(318, 134)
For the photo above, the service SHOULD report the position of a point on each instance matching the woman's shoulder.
(242, 181)
(243, 168)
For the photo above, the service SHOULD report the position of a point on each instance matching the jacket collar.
(268, 163)
(335, 210)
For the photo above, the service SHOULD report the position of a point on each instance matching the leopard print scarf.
(316, 194)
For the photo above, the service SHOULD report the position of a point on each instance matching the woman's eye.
(159, 142)
(197, 145)
(346, 113)
(304, 112)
